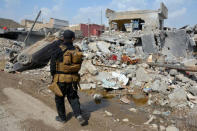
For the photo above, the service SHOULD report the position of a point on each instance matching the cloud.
(53, 11)
(178, 13)
(172, 2)
(128, 4)
(47, 12)
(8, 8)
(92, 13)
(176, 9)
(12, 3)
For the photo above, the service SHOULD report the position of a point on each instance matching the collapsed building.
(137, 20)
(147, 28)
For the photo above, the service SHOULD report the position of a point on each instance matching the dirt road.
(23, 106)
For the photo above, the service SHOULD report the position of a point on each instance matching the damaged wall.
(153, 19)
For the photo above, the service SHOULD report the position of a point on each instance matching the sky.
(180, 12)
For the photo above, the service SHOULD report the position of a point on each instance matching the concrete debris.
(87, 86)
(148, 43)
(93, 46)
(177, 43)
(125, 120)
(172, 128)
(125, 100)
(159, 86)
(90, 68)
(192, 98)
(133, 110)
(142, 75)
(178, 97)
(162, 128)
(190, 62)
(103, 47)
(108, 113)
(173, 72)
(193, 90)
(150, 120)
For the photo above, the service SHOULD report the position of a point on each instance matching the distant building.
(52, 24)
(28, 24)
(137, 20)
(88, 30)
(57, 23)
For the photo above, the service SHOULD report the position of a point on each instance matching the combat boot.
(59, 119)
(81, 120)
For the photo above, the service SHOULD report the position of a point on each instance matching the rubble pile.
(8, 47)
(122, 61)
(154, 62)
(9, 50)
(157, 67)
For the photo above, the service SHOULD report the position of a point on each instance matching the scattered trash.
(133, 110)
(125, 120)
(108, 113)
(125, 100)
(150, 120)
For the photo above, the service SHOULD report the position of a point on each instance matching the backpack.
(67, 70)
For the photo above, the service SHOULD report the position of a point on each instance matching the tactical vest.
(67, 70)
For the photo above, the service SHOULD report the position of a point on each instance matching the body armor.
(67, 69)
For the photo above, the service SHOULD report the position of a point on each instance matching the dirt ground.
(25, 106)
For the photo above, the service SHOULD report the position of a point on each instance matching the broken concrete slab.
(192, 42)
(159, 86)
(189, 62)
(176, 43)
(173, 72)
(90, 67)
(130, 51)
(87, 86)
(182, 78)
(192, 98)
(178, 98)
(172, 128)
(103, 47)
(142, 75)
(193, 90)
(93, 46)
(149, 44)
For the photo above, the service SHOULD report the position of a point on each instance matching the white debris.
(108, 113)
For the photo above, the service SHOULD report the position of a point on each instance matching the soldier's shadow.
(88, 107)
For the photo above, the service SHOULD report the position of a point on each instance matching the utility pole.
(101, 17)
(32, 26)
(88, 29)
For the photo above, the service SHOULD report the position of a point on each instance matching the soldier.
(65, 64)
